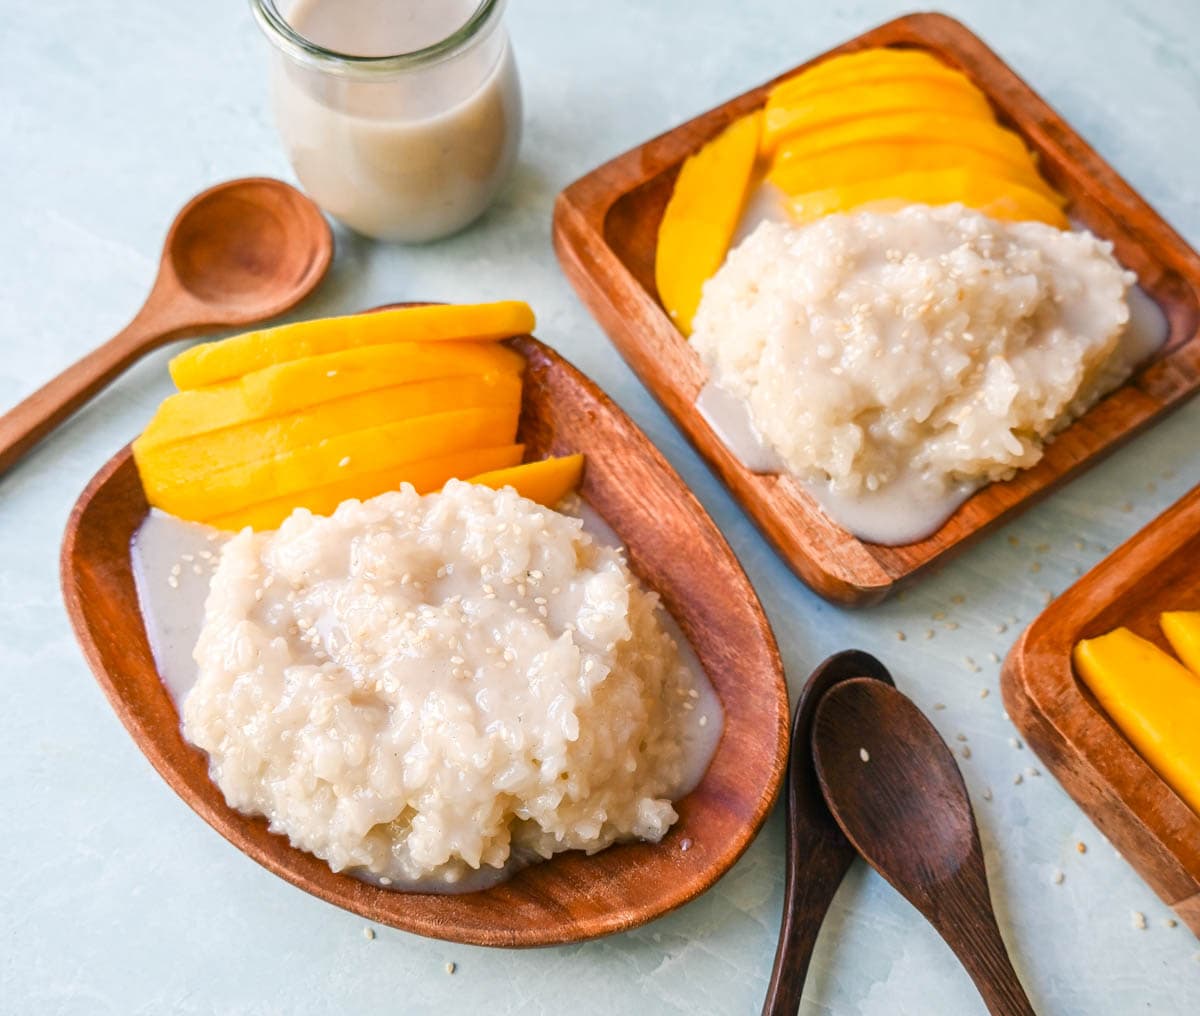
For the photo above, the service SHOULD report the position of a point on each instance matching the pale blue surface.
(116, 898)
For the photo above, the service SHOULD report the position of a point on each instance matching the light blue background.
(115, 898)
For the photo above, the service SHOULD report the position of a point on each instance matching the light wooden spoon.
(239, 252)
(895, 790)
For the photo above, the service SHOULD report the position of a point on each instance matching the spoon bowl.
(248, 249)
(239, 252)
(895, 790)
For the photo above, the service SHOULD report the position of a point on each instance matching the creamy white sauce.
(904, 510)
(411, 156)
(172, 563)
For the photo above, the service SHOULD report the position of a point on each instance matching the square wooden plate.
(572, 896)
(605, 233)
(1145, 819)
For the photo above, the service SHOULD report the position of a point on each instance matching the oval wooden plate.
(673, 546)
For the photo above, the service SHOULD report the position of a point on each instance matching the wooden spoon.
(893, 786)
(239, 252)
(818, 853)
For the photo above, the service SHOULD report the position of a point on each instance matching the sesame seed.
(1018, 780)
(451, 967)
(939, 706)
(900, 636)
(1057, 877)
(1081, 847)
(685, 844)
(369, 934)
(987, 793)
(1138, 920)
(344, 462)
(1170, 922)
(704, 721)
(984, 692)
(864, 754)
(966, 751)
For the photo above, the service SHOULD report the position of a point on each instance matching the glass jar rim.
(279, 30)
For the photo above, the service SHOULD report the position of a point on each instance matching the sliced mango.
(340, 456)
(1153, 700)
(999, 198)
(1182, 629)
(212, 362)
(821, 110)
(425, 475)
(910, 128)
(701, 216)
(289, 387)
(876, 66)
(868, 160)
(173, 463)
(547, 482)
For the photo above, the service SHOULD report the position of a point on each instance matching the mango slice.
(701, 216)
(875, 67)
(1153, 700)
(992, 195)
(1182, 629)
(910, 128)
(212, 362)
(547, 482)
(425, 475)
(206, 496)
(868, 160)
(863, 65)
(957, 96)
(289, 387)
(173, 463)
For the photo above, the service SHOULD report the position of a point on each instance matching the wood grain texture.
(1151, 826)
(672, 545)
(896, 791)
(818, 853)
(240, 252)
(605, 232)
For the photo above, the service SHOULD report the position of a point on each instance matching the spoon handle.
(968, 924)
(807, 896)
(31, 420)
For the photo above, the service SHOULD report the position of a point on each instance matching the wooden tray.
(1147, 822)
(670, 540)
(605, 233)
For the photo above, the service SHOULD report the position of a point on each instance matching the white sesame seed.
(1057, 877)
(451, 967)
(344, 462)
(864, 754)
(369, 934)
(1138, 920)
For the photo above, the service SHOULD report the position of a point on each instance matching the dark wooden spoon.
(894, 788)
(818, 853)
(240, 252)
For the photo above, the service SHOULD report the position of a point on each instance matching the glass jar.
(401, 118)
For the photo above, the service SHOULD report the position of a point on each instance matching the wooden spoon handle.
(806, 900)
(967, 922)
(31, 420)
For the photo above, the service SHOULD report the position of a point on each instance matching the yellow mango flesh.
(1153, 700)
(213, 362)
(999, 198)
(547, 482)
(813, 112)
(701, 216)
(910, 128)
(175, 462)
(877, 64)
(206, 496)
(289, 387)
(1182, 629)
(425, 475)
(853, 164)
